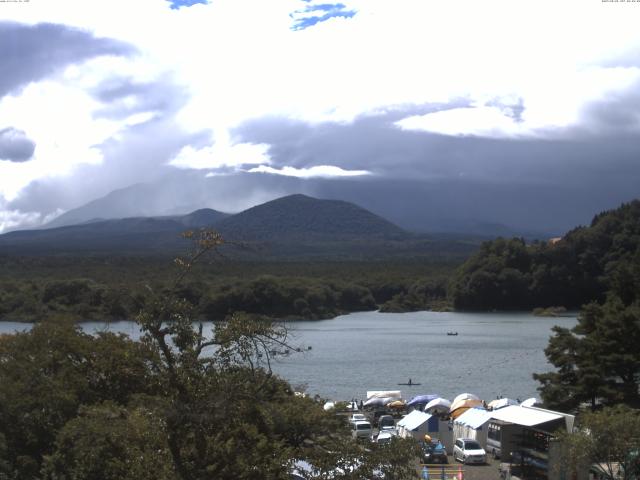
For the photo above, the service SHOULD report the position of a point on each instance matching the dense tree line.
(305, 291)
(598, 361)
(508, 274)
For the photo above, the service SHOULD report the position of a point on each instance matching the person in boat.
(409, 383)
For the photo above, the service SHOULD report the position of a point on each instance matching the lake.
(493, 353)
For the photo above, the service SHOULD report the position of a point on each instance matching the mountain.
(436, 206)
(298, 217)
(138, 234)
(204, 217)
(139, 200)
(295, 225)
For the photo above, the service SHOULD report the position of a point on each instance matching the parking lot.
(487, 471)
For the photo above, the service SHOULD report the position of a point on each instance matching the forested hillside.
(113, 288)
(598, 361)
(579, 268)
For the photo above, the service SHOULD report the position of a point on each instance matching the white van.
(361, 429)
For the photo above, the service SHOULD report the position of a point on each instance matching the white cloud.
(222, 154)
(322, 171)
(240, 59)
(11, 219)
(481, 121)
(59, 120)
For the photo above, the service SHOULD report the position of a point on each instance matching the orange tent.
(396, 404)
(461, 406)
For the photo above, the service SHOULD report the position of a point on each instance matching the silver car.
(467, 450)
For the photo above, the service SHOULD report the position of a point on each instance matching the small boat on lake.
(452, 334)
(409, 383)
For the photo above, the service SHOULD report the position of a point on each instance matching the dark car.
(386, 422)
(434, 452)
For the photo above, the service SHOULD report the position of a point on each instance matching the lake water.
(493, 353)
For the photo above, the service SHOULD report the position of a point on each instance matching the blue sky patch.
(176, 4)
(312, 14)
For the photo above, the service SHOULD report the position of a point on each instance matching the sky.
(519, 112)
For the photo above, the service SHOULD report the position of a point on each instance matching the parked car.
(361, 429)
(466, 450)
(434, 452)
(386, 422)
(385, 437)
(357, 417)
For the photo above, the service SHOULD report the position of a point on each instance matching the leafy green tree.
(226, 415)
(110, 442)
(598, 361)
(48, 373)
(607, 441)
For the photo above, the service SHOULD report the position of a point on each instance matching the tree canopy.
(182, 403)
(598, 361)
(508, 274)
(606, 441)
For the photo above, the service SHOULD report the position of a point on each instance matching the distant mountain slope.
(295, 225)
(201, 218)
(122, 203)
(117, 235)
(416, 206)
(299, 217)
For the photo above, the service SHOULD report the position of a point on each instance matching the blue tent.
(421, 399)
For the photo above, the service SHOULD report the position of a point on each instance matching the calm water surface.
(493, 353)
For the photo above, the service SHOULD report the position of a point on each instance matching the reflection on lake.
(493, 353)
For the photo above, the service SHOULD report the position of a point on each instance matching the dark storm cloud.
(139, 154)
(123, 97)
(436, 181)
(618, 113)
(369, 143)
(30, 53)
(421, 181)
(374, 143)
(15, 146)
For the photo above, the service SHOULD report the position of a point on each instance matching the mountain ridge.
(296, 222)
(297, 216)
(432, 207)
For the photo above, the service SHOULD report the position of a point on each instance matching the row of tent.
(435, 404)
(473, 423)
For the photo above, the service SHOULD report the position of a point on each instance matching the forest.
(113, 288)
(581, 267)
(106, 407)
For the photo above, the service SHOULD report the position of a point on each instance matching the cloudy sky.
(518, 112)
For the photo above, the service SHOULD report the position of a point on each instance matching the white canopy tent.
(473, 424)
(415, 424)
